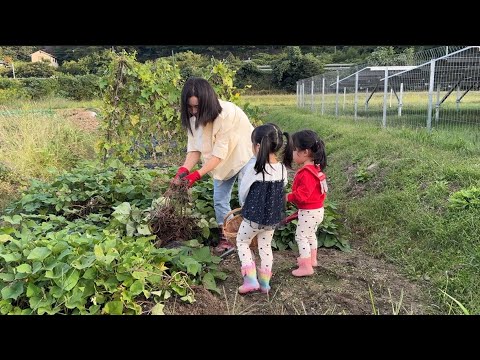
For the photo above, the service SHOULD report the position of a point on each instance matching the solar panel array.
(438, 88)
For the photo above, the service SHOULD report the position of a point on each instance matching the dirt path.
(340, 285)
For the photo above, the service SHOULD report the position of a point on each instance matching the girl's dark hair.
(303, 140)
(269, 136)
(208, 105)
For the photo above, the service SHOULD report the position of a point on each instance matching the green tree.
(295, 66)
(36, 69)
(17, 53)
(189, 63)
(386, 55)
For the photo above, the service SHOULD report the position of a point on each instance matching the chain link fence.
(436, 88)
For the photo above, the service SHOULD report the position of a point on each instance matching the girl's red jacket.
(309, 188)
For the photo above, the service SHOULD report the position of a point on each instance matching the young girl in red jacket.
(309, 190)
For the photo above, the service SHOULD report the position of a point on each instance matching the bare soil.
(82, 118)
(343, 283)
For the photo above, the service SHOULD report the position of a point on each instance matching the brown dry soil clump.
(343, 283)
(82, 118)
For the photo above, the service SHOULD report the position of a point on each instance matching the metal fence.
(438, 88)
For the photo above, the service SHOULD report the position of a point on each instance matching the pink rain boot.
(264, 276)
(250, 282)
(314, 257)
(304, 267)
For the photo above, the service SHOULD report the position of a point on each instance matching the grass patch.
(393, 188)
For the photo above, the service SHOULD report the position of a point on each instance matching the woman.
(219, 133)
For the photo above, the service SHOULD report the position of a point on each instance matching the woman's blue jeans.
(222, 193)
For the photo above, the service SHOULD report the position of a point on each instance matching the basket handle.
(231, 212)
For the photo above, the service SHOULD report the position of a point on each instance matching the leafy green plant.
(362, 175)
(465, 198)
(254, 113)
(327, 233)
(80, 245)
(142, 106)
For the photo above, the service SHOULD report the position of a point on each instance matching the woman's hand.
(195, 176)
(181, 173)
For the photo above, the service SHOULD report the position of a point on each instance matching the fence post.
(356, 96)
(313, 85)
(385, 92)
(437, 105)
(366, 102)
(323, 93)
(303, 94)
(400, 101)
(336, 95)
(298, 95)
(430, 94)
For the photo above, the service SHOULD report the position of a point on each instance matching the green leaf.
(39, 253)
(329, 241)
(4, 238)
(14, 220)
(59, 271)
(37, 265)
(158, 309)
(7, 276)
(218, 274)
(59, 247)
(202, 254)
(64, 253)
(5, 307)
(113, 308)
(76, 300)
(178, 289)
(188, 298)
(193, 243)
(11, 257)
(139, 274)
(90, 274)
(56, 292)
(130, 228)
(144, 230)
(24, 268)
(93, 309)
(12, 291)
(97, 249)
(137, 287)
(205, 232)
(33, 290)
(208, 282)
(68, 283)
(83, 261)
(193, 266)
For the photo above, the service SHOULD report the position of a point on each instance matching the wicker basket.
(231, 225)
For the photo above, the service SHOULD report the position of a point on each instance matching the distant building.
(40, 55)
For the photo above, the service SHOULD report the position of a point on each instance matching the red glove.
(195, 176)
(181, 170)
(181, 173)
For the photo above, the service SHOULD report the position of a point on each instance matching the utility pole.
(13, 70)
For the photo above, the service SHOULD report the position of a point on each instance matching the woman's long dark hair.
(208, 105)
(303, 140)
(269, 136)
